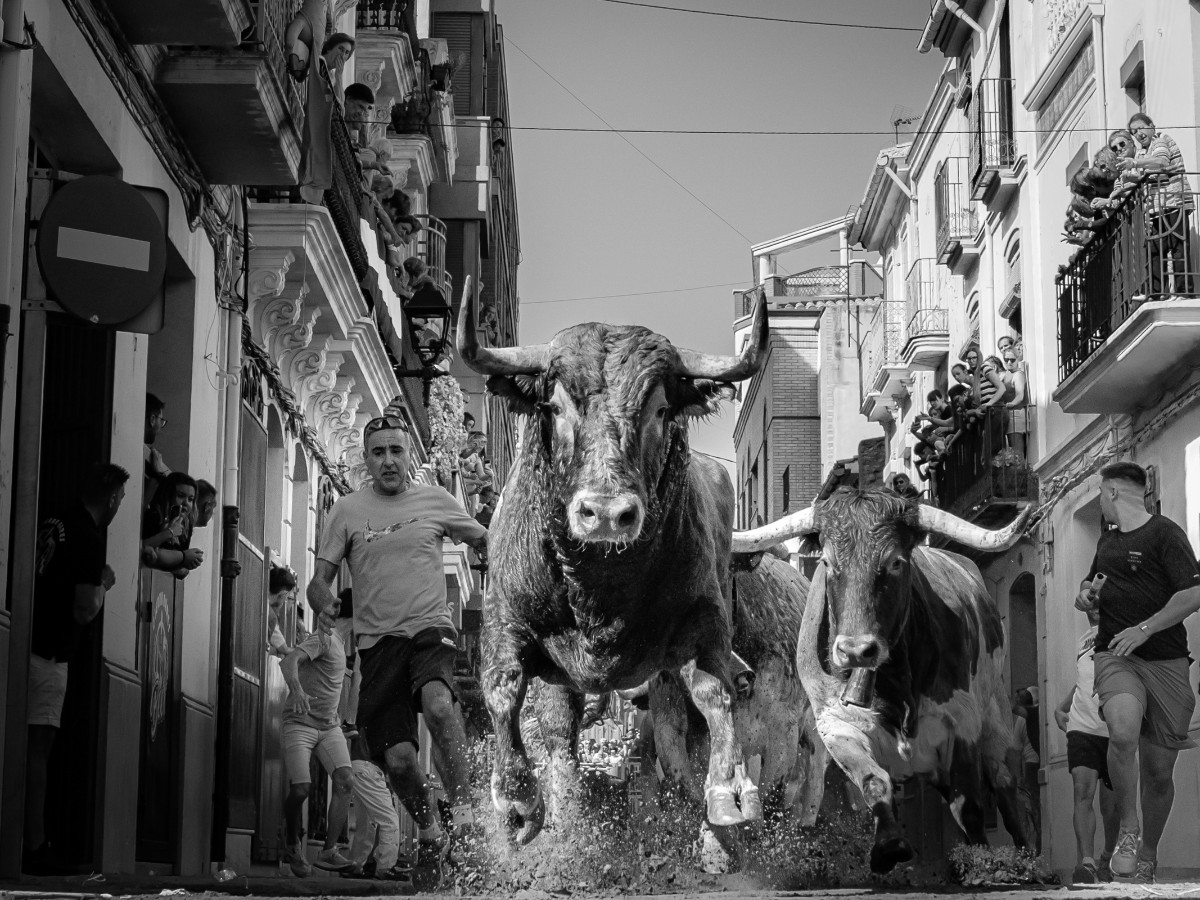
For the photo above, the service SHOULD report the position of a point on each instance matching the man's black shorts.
(1088, 751)
(394, 670)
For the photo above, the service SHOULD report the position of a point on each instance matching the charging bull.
(609, 554)
(918, 622)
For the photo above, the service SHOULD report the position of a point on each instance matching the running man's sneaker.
(1085, 873)
(332, 860)
(1125, 856)
(1104, 871)
(293, 857)
(431, 861)
(1145, 871)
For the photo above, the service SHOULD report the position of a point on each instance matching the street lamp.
(429, 316)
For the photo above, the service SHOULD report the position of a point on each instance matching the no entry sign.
(102, 250)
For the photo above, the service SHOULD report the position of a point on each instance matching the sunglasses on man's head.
(382, 423)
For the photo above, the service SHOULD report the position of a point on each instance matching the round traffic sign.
(102, 249)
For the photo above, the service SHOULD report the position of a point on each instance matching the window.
(1133, 80)
(787, 487)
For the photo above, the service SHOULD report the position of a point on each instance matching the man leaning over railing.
(1160, 162)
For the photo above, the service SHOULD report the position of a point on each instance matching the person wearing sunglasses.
(155, 469)
(390, 532)
(1017, 390)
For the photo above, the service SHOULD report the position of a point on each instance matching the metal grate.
(954, 210)
(925, 311)
(993, 140)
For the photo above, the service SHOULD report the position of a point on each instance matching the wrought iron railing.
(344, 199)
(387, 15)
(857, 280)
(883, 341)
(1147, 249)
(271, 22)
(431, 248)
(993, 140)
(979, 469)
(924, 307)
(954, 210)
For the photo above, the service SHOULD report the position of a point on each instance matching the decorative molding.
(269, 278)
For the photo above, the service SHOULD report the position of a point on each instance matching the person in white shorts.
(314, 672)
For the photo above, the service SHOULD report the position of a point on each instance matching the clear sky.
(598, 219)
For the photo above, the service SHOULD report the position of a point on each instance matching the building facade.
(965, 224)
(279, 331)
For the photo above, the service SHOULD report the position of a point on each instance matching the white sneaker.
(332, 860)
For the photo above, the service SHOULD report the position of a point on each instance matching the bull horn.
(731, 368)
(529, 360)
(938, 521)
(802, 522)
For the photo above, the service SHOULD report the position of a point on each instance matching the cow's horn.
(494, 360)
(731, 368)
(938, 521)
(797, 523)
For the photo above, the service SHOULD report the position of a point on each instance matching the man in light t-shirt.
(390, 532)
(1087, 760)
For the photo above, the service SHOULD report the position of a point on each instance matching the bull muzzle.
(862, 651)
(605, 518)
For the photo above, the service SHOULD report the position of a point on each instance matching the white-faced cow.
(609, 554)
(921, 621)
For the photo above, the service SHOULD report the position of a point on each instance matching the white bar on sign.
(103, 249)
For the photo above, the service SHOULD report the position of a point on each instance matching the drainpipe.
(1098, 44)
(931, 26)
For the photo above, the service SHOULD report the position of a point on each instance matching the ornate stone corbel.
(281, 324)
(268, 273)
(326, 410)
(312, 372)
(370, 73)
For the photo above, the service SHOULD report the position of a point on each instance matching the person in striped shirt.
(1159, 160)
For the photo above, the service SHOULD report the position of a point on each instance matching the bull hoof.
(523, 818)
(721, 807)
(751, 805)
(887, 854)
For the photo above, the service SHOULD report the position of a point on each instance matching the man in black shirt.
(68, 594)
(1141, 658)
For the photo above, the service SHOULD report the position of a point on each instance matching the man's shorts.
(1160, 685)
(299, 742)
(47, 689)
(1088, 751)
(394, 670)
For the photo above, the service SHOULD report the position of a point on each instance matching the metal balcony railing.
(993, 141)
(1147, 249)
(857, 280)
(978, 469)
(386, 15)
(431, 248)
(345, 199)
(954, 210)
(924, 308)
(271, 19)
(883, 341)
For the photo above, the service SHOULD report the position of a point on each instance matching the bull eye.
(896, 566)
(661, 413)
(551, 408)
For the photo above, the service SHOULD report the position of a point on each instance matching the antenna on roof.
(903, 115)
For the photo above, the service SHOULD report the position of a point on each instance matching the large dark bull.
(921, 621)
(610, 549)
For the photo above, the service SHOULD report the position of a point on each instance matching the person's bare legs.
(1123, 713)
(293, 811)
(1084, 818)
(339, 805)
(37, 763)
(410, 783)
(1158, 794)
(1111, 819)
(445, 725)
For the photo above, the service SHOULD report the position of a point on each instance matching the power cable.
(728, 15)
(880, 132)
(701, 287)
(626, 140)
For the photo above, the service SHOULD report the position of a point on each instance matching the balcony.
(239, 111)
(470, 194)
(993, 153)
(813, 288)
(981, 481)
(200, 23)
(387, 51)
(884, 374)
(927, 339)
(956, 216)
(1129, 303)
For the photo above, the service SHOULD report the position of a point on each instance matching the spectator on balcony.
(1158, 160)
(471, 467)
(304, 34)
(902, 485)
(155, 469)
(358, 102)
(167, 527)
(1122, 149)
(963, 404)
(400, 207)
(488, 498)
(1017, 389)
(336, 50)
(206, 504)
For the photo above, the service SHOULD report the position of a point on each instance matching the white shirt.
(1085, 711)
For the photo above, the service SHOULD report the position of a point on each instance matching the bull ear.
(706, 396)
(520, 400)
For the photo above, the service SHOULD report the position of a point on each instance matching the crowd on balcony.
(985, 408)
(1140, 157)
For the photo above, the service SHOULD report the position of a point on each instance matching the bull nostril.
(870, 651)
(586, 512)
(627, 518)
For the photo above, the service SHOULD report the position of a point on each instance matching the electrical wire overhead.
(729, 15)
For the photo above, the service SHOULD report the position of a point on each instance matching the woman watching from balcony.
(1016, 379)
(1123, 148)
